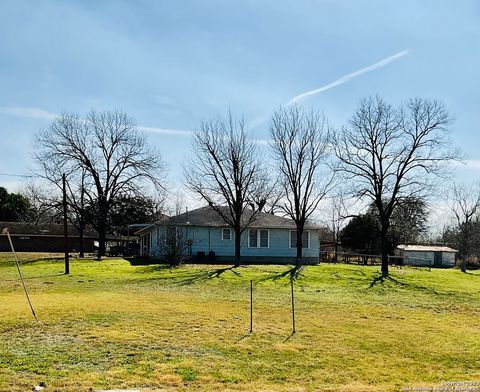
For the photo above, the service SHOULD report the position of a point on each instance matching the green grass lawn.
(112, 325)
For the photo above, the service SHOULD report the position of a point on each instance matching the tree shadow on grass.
(377, 280)
(293, 273)
(34, 277)
(407, 285)
(189, 277)
(154, 268)
(351, 276)
(471, 274)
(203, 276)
(23, 261)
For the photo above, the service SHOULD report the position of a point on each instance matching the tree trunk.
(299, 245)
(238, 243)
(101, 242)
(102, 227)
(81, 250)
(82, 217)
(335, 257)
(384, 247)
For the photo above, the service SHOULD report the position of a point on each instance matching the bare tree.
(300, 142)
(464, 202)
(44, 202)
(173, 244)
(47, 203)
(105, 150)
(76, 204)
(389, 154)
(337, 215)
(226, 172)
(179, 204)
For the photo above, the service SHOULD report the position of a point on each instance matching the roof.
(42, 229)
(207, 216)
(426, 248)
(148, 227)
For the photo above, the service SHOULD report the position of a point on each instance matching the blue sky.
(172, 64)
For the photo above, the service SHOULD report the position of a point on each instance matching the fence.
(366, 259)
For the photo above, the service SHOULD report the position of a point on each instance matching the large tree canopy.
(464, 202)
(408, 225)
(226, 172)
(104, 159)
(389, 154)
(300, 141)
(13, 206)
(128, 210)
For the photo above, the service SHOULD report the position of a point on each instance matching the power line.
(19, 175)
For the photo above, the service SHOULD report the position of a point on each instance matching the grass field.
(111, 325)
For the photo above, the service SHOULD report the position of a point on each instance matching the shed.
(427, 255)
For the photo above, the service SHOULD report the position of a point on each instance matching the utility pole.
(65, 226)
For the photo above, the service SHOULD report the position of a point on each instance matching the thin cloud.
(28, 112)
(471, 164)
(180, 132)
(252, 124)
(43, 114)
(166, 131)
(36, 113)
(262, 142)
(350, 76)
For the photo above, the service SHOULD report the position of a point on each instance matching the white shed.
(427, 255)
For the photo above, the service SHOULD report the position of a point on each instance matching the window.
(305, 239)
(263, 238)
(226, 234)
(258, 238)
(252, 239)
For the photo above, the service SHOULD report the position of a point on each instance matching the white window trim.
(230, 230)
(258, 239)
(294, 246)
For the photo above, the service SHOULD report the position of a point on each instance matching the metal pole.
(293, 307)
(65, 226)
(21, 276)
(251, 306)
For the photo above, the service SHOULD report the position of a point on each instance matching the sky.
(172, 64)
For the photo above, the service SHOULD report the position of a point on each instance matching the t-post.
(293, 307)
(251, 306)
(65, 226)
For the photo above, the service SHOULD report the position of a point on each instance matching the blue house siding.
(206, 239)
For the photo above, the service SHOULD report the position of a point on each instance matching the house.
(32, 237)
(203, 235)
(427, 255)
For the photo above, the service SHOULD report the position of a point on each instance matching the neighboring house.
(205, 236)
(427, 255)
(31, 237)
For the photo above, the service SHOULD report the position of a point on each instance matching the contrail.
(350, 76)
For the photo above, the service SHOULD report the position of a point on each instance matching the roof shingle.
(207, 216)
